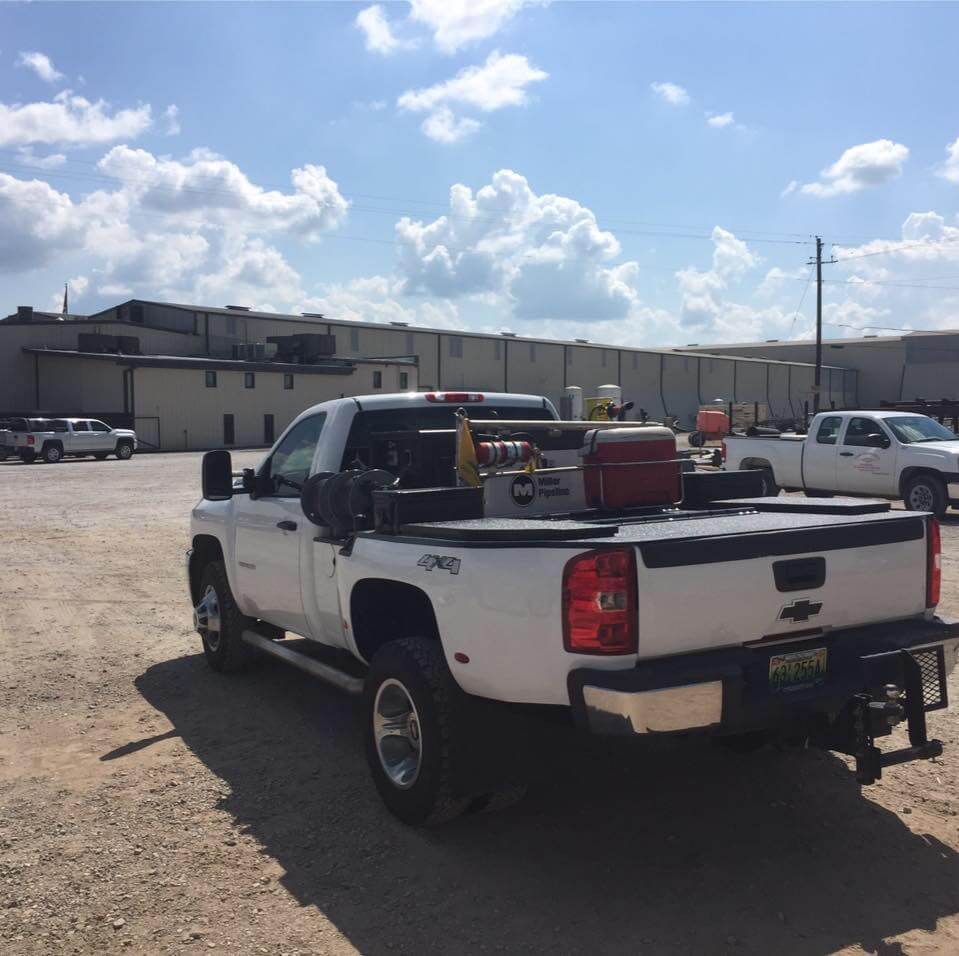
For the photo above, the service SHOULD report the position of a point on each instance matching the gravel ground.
(149, 805)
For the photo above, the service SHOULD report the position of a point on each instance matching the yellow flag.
(467, 467)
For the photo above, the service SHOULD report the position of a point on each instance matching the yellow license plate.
(798, 669)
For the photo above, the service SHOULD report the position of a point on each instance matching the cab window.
(859, 429)
(289, 465)
(828, 432)
(58, 425)
(81, 426)
(99, 427)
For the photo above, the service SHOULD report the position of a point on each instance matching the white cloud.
(457, 23)
(27, 157)
(720, 120)
(210, 190)
(40, 64)
(444, 127)
(950, 168)
(501, 81)
(670, 93)
(702, 293)
(377, 34)
(859, 167)
(69, 120)
(172, 116)
(78, 285)
(543, 256)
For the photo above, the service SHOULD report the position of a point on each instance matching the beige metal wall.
(191, 415)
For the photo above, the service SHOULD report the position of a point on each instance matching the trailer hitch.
(871, 718)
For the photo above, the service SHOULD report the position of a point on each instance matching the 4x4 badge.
(800, 611)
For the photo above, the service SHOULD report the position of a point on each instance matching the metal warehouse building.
(192, 377)
(892, 368)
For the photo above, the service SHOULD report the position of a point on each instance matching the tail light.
(599, 603)
(30, 440)
(457, 397)
(933, 563)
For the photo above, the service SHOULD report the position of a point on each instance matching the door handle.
(846, 454)
(286, 525)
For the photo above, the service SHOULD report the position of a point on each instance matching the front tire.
(52, 454)
(124, 451)
(926, 493)
(220, 622)
(411, 718)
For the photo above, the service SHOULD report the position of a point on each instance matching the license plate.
(798, 669)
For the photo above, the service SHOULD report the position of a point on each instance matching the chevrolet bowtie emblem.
(800, 611)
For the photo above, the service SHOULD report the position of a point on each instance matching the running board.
(338, 678)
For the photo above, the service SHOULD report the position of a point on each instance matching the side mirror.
(877, 440)
(217, 475)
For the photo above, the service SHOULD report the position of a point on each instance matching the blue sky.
(624, 172)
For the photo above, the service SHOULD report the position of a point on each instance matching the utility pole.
(818, 264)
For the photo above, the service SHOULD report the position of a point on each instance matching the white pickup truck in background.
(53, 439)
(569, 583)
(879, 454)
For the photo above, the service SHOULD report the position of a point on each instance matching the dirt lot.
(149, 805)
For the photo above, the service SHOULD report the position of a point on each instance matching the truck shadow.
(681, 847)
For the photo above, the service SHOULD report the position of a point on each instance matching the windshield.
(920, 428)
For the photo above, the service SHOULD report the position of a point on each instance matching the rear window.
(29, 425)
(418, 417)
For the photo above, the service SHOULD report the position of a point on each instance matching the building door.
(268, 435)
(229, 435)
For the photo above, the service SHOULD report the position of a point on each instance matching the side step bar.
(338, 678)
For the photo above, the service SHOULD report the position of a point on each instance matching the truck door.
(101, 439)
(819, 455)
(867, 459)
(79, 440)
(272, 532)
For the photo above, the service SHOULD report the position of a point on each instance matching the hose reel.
(343, 501)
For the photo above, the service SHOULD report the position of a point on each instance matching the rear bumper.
(727, 691)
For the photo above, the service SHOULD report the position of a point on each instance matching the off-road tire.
(419, 665)
(926, 492)
(52, 454)
(124, 451)
(230, 653)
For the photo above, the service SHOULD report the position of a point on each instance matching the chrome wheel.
(124, 452)
(52, 455)
(921, 498)
(206, 618)
(397, 733)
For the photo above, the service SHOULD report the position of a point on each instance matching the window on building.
(288, 381)
(377, 380)
(249, 379)
(268, 434)
(456, 346)
(229, 434)
(210, 379)
(497, 350)
(404, 381)
(532, 351)
(355, 340)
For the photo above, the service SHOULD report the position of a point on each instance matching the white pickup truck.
(880, 454)
(561, 589)
(53, 439)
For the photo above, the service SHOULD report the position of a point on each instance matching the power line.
(902, 245)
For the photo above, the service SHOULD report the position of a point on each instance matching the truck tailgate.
(703, 592)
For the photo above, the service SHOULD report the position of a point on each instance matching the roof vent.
(239, 308)
(583, 341)
(772, 340)
(402, 325)
(313, 315)
(692, 345)
(871, 336)
(24, 313)
(509, 335)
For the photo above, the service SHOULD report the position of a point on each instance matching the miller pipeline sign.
(548, 490)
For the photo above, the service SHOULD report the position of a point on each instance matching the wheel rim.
(124, 451)
(921, 498)
(206, 618)
(53, 454)
(398, 735)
